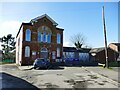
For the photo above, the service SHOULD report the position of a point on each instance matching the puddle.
(93, 76)
(59, 74)
(77, 83)
(50, 85)
(101, 83)
(69, 81)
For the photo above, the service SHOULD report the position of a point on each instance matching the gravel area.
(67, 77)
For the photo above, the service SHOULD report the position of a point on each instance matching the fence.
(8, 61)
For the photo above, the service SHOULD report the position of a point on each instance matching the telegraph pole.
(105, 37)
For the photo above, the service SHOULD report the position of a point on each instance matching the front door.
(44, 53)
(53, 55)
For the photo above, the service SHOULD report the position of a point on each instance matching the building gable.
(45, 15)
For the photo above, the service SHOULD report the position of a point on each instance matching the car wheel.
(34, 67)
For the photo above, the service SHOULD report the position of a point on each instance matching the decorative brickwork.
(35, 46)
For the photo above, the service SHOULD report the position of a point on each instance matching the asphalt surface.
(65, 77)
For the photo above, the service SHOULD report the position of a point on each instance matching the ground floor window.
(83, 56)
(68, 54)
(53, 55)
(58, 52)
(33, 52)
(27, 51)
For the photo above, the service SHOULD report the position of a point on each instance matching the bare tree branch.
(78, 40)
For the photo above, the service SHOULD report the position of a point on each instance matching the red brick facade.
(35, 46)
(98, 54)
(112, 56)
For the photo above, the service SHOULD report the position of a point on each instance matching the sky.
(73, 17)
(119, 23)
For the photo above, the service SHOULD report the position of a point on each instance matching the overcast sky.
(77, 17)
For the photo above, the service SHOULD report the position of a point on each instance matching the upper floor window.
(39, 36)
(27, 51)
(58, 38)
(44, 36)
(49, 38)
(28, 35)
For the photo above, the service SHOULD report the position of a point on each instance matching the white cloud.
(67, 44)
(9, 27)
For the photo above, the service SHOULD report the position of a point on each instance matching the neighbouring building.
(115, 46)
(73, 54)
(98, 54)
(40, 38)
(79, 57)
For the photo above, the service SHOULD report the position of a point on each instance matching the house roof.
(59, 29)
(73, 49)
(44, 15)
(117, 44)
(96, 50)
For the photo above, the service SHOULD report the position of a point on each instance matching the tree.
(78, 40)
(8, 44)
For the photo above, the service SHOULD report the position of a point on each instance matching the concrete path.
(105, 72)
(66, 77)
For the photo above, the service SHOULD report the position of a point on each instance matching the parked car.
(41, 63)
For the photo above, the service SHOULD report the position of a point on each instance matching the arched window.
(58, 52)
(44, 28)
(27, 51)
(44, 37)
(44, 49)
(58, 38)
(28, 35)
(49, 38)
(39, 36)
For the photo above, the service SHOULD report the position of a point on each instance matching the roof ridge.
(44, 15)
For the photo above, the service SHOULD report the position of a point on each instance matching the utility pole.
(105, 37)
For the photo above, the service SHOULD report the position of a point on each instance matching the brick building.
(40, 38)
(115, 46)
(98, 54)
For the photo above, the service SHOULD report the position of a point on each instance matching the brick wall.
(36, 46)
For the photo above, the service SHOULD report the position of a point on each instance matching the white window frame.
(39, 36)
(58, 38)
(33, 53)
(58, 52)
(27, 51)
(28, 35)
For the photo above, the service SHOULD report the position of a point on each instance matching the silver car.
(41, 63)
